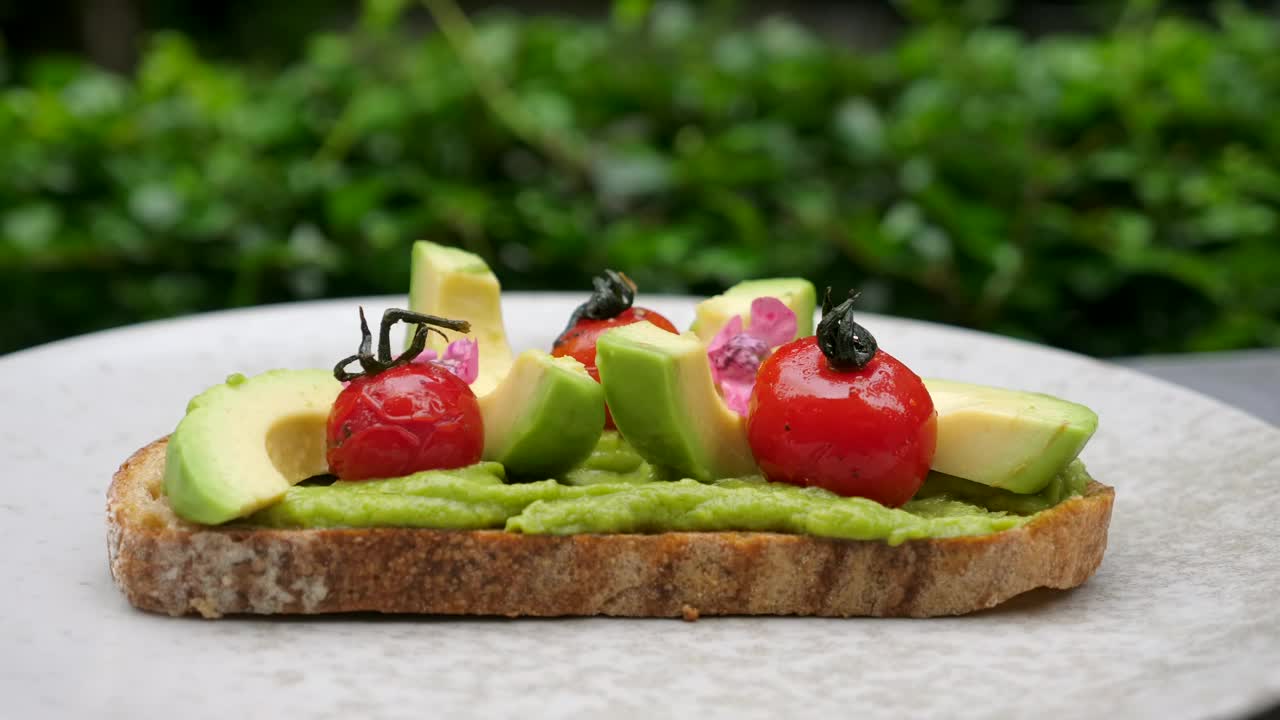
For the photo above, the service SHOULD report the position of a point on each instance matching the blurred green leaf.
(859, 126)
(382, 15)
(1112, 193)
(629, 15)
(31, 229)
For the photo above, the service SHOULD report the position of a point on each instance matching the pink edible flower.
(461, 357)
(735, 354)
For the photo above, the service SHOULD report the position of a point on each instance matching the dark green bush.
(1110, 194)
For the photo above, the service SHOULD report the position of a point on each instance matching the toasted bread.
(164, 564)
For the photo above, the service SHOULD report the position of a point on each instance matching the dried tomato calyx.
(846, 344)
(371, 365)
(613, 294)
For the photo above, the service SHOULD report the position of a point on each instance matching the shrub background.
(1114, 193)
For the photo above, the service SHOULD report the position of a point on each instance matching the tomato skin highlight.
(407, 419)
(870, 432)
(579, 341)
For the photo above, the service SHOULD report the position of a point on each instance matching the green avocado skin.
(191, 498)
(622, 501)
(551, 431)
(664, 401)
(649, 404)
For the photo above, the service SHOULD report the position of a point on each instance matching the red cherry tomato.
(404, 420)
(869, 432)
(579, 341)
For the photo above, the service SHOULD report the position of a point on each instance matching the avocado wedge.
(244, 443)
(1008, 439)
(665, 403)
(544, 417)
(454, 283)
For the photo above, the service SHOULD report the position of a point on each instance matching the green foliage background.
(1110, 194)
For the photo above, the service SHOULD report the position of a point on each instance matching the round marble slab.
(1181, 621)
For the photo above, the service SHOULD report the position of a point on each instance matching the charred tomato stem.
(846, 344)
(614, 293)
(371, 365)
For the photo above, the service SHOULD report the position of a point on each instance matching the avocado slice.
(456, 284)
(242, 444)
(664, 402)
(1018, 441)
(796, 293)
(544, 417)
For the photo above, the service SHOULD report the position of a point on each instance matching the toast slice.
(164, 564)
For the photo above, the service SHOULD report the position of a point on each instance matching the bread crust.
(166, 565)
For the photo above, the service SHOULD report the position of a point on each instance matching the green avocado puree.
(613, 461)
(1070, 482)
(614, 491)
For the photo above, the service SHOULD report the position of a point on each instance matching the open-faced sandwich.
(748, 466)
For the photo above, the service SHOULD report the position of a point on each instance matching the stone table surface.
(1249, 380)
(1180, 621)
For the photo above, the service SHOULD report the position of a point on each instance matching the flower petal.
(734, 365)
(462, 358)
(426, 356)
(737, 395)
(735, 354)
(730, 329)
(772, 321)
(738, 359)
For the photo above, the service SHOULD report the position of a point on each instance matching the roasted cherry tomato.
(608, 307)
(579, 342)
(856, 428)
(398, 417)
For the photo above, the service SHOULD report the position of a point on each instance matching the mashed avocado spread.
(614, 491)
